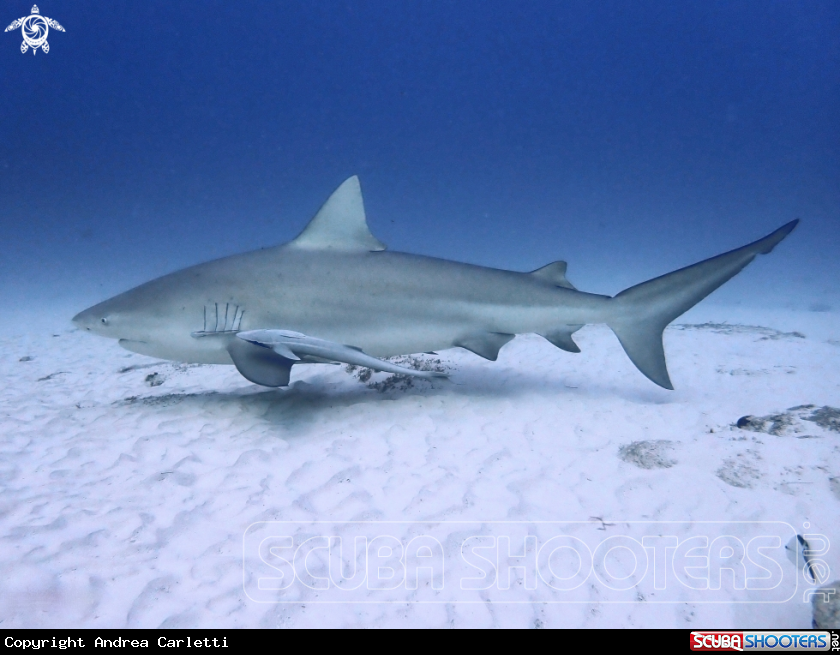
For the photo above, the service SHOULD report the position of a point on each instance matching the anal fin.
(485, 344)
(562, 338)
(260, 365)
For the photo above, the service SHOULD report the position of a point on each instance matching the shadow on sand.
(305, 401)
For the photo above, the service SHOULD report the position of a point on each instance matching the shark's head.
(117, 319)
(156, 319)
(96, 319)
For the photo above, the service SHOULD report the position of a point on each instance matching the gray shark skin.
(335, 294)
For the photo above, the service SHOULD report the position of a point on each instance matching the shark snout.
(83, 320)
(93, 320)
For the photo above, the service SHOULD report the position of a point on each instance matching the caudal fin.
(642, 312)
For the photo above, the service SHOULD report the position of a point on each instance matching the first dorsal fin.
(340, 224)
(555, 273)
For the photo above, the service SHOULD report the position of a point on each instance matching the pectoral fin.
(260, 365)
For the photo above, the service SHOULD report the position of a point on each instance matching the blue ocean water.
(627, 138)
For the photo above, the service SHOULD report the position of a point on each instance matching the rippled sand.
(128, 484)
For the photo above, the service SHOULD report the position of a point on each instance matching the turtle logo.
(35, 28)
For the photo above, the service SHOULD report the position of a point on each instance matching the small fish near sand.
(335, 294)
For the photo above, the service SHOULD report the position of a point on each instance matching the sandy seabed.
(140, 493)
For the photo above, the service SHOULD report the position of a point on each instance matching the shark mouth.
(220, 319)
(132, 345)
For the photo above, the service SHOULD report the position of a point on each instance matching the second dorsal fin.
(555, 273)
(340, 224)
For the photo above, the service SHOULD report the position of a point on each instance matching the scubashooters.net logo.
(655, 562)
(35, 29)
(798, 641)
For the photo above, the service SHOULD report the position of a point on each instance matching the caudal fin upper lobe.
(642, 312)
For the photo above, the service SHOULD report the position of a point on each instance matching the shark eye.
(104, 321)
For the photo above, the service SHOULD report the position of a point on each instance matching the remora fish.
(334, 294)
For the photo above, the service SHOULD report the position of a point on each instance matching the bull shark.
(335, 294)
